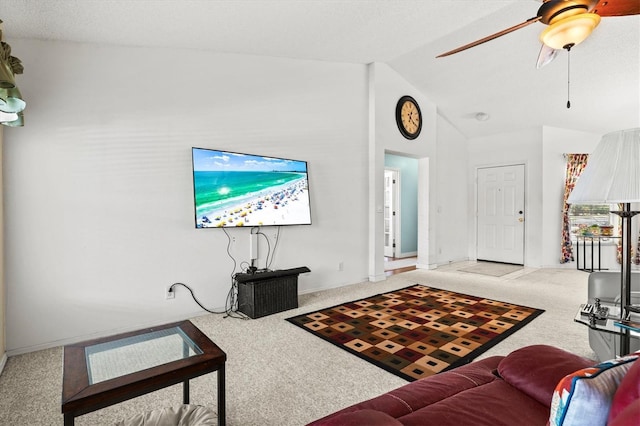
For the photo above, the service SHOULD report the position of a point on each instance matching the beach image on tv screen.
(233, 189)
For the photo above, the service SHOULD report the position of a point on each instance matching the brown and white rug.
(417, 331)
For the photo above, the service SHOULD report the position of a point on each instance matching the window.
(584, 216)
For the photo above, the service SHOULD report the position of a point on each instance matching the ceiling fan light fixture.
(572, 30)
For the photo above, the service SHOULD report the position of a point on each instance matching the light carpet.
(278, 374)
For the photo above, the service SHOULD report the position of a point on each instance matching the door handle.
(521, 219)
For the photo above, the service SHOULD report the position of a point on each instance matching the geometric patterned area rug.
(417, 331)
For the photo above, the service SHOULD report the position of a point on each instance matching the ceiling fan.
(569, 22)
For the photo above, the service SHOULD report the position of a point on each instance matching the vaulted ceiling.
(498, 78)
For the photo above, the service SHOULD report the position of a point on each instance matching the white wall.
(523, 147)
(555, 143)
(541, 150)
(386, 88)
(442, 154)
(98, 191)
(452, 207)
(98, 184)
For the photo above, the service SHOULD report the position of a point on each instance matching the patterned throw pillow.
(587, 393)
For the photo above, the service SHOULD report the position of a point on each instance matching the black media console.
(266, 293)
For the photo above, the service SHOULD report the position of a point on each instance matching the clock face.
(408, 117)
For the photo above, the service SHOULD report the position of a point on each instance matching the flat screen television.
(233, 189)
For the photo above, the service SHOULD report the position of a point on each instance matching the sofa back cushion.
(536, 370)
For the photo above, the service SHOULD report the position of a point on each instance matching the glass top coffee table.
(102, 372)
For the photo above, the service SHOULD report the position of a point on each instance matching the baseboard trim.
(377, 278)
(426, 265)
(406, 254)
(3, 362)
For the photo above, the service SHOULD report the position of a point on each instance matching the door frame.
(525, 201)
(395, 207)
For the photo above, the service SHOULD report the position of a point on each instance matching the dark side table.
(103, 372)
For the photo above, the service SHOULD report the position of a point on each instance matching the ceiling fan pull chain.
(568, 48)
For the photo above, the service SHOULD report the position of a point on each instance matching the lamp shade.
(569, 31)
(612, 174)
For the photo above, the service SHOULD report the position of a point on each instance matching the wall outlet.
(341, 266)
(170, 294)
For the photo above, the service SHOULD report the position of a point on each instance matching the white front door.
(390, 209)
(500, 214)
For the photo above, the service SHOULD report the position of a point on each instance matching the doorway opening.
(394, 265)
(400, 219)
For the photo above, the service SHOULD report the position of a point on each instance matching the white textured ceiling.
(498, 77)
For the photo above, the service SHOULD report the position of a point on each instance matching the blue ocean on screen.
(219, 190)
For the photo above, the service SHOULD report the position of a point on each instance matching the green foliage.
(589, 209)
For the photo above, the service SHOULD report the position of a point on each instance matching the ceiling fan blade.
(491, 37)
(617, 7)
(547, 55)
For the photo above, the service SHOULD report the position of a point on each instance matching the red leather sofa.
(516, 389)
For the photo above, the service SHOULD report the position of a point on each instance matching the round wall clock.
(408, 117)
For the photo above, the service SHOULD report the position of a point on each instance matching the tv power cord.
(228, 312)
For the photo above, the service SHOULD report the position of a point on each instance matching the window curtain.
(575, 165)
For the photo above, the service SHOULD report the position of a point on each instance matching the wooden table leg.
(222, 413)
(185, 392)
(68, 420)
